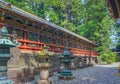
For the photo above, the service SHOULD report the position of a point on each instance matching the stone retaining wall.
(24, 66)
(22, 74)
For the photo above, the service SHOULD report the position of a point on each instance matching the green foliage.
(90, 19)
(109, 58)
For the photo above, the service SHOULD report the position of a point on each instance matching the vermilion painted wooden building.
(33, 32)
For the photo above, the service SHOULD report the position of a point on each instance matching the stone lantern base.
(44, 82)
(61, 67)
(44, 73)
(80, 65)
(73, 67)
(66, 75)
(90, 64)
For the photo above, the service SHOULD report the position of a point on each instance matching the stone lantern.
(86, 61)
(5, 45)
(61, 57)
(73, 67)
(44, 65)
(66, 73)
(90, 61)
(81, 60)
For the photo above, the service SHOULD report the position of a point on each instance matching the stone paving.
(98, 74)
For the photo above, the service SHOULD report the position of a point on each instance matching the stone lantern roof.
(66, 52)
(4, 42)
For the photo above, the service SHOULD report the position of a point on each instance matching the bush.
(108, 57)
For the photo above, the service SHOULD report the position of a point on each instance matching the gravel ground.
(98, 74)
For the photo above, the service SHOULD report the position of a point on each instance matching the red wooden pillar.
(24, 38)
(41, 36)
(2, 19)
(61, 40)
(90, 53)
(69, 45)
(1, 24)
(53, 42)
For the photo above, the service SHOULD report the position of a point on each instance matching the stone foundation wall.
(24, 66)
(21, 74)
(21, 66)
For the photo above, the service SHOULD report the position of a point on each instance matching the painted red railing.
(37, 46)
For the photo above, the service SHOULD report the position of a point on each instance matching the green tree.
(88, 18)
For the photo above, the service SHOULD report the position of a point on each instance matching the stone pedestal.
(44, 82)
(44, 75)
(72, 67)
(80, 62)
(90, 61)
(93, 61)
(81, 65)
(61, 67)
(85, 62)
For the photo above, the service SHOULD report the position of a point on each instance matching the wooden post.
(24, 38)
(2, 19)
(41, 36)
(53, 42)
(1, 24)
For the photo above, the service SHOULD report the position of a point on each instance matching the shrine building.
(33, 32)
(114, 8)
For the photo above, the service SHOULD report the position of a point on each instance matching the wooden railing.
(30, 45)
(37, 46)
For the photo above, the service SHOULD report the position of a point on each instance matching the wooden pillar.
(41, 36)
(25, 35)
(24, 38)
(2, 19)
(62, 43)
(2, 16)
(53, 42)
(69, 43)
(74, 45)
(1, 25)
